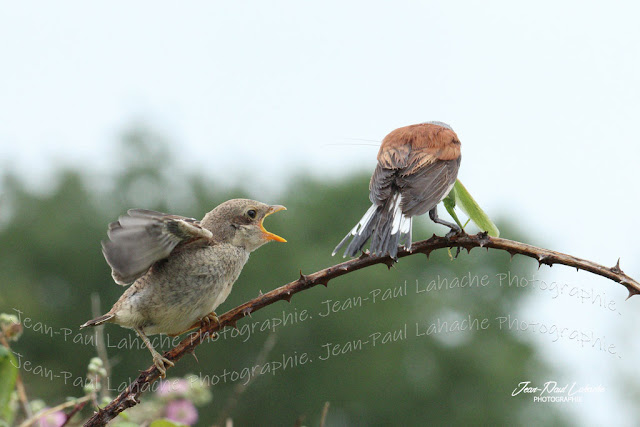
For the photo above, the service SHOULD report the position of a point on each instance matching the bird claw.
(206, 320)
(452, 233)
(160, 363)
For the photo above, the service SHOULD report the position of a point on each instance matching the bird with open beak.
(181, 269)
(417, 168)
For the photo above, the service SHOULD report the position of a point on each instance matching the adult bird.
(417, 168)
(181, 269)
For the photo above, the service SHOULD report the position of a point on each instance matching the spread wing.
(143, 237)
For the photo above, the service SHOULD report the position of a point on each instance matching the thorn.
(544, 259)
(428, 252)
(260, 293)
(616, 268)
(343, 267)
(303, 279)
(287, 297)
(233, 324)
(389, 262)
(365, 254)
(468, 248)
(132, 398)
(325, 283)
(511, 254)
(483, 239)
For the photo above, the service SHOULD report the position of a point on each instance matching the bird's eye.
(251, 213)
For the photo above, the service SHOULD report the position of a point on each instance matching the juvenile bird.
(181, 269)
(417, 168)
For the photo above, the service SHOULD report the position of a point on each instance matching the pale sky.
(544, 96)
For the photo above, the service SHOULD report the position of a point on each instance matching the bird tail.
(98, 320)
(387, 227)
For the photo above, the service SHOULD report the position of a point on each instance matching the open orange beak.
(267, 234)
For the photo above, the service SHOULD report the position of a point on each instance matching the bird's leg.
(158, 359)
(433, 214)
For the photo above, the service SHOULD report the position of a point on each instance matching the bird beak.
(267, 234)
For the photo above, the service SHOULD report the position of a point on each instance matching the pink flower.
(182, 411)
(167, 387)
(54, 419)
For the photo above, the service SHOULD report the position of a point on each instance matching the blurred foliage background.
(51, 265)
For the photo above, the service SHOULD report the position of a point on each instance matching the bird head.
(240, 223)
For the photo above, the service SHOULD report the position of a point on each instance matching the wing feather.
(143, 237)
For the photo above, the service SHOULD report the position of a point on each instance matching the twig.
(101, 347)
(74, 411)
(325, 411)
(60, 407)
(130, 396)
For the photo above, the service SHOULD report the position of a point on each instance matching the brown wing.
(143, 237)
(423, 189)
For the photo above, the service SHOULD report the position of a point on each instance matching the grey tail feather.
(382, 241)
(378, 224)
(360, 233)
(98, 320)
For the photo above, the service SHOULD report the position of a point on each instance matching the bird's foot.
(454, 232)
(161, 363)
(211, 317)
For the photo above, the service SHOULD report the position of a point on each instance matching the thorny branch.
(130, 396)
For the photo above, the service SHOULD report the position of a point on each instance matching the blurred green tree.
(365, 340)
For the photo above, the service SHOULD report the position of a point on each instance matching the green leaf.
(471, 208)
(8, 376)
(450, 204)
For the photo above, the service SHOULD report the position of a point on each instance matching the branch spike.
(287, 296)
(544, 259)
(303, 279)
(616, 268)
(483, 239)
(389, 262)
